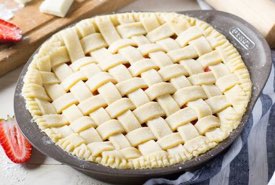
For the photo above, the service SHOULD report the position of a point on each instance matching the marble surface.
(43, 170)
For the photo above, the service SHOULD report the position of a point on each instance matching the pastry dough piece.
(149, 22)
(149, 148)
(202, 109)
(146, 49)
(72, 80)
(48, 78)
(130, 153)
(131, 85)
(62, 71)
(97, 148)
(198, 145)
(80, 91)
(82, 62)
(160, 58)
(72, 44)
(35, 91)
(128, 121)
(82, 124)
(59, 56)
(161, 32)
(168, 104)
(131, 54)
(91, 104)
(188, 132)
(107, 29)
(120, 73)
(188, 35)
(90, 135)
(45, 106)
(170, 141)
(168, 44)
(160, 89)
(54, 91)
(180, 82)
(131, 29)
(141, 66)
(172, 71)
(206, 123)
(209, 59)
(119, 141)
(187, 52)
(100, 116)
(181, 117)
(211, 90)
(226, 82)
(119, 107)
(140, 135)
(151, 77)
(90, 70)
(219, 70)
(217, 103)
(106, 60)
(59, 8)
(109, 92)
(159, 127)
(236, 96)
(109, 128)
(98, 80)
(72, 113)
(216, 135)
(85, 28)
(202, 78)
(64, 102)
(138, 97)
(192, 66)
(53, 120)
(148, 111)
(201, 45)
(82, 152)
(70, 142)
(187, 94)
(93, 42)
(117, 45)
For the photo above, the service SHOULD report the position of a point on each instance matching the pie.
(137, 90)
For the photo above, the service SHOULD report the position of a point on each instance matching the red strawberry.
(16, 147)
(207, 69)
(9, 32)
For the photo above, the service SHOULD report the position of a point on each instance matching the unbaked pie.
(137, 90)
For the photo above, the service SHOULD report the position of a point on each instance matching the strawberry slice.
(15, 145)
(207, 69)
(9, 32)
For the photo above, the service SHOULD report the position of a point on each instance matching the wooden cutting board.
(259, 13)
(37, 27)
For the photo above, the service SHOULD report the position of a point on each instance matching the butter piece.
(56, 7)
(23, 1)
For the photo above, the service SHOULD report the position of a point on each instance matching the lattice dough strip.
(206, 123)
(72, 44)
(107, 29)
(93, 42)
(131, 29)
(181, 117)
(159, 127)
(72, 113)
(100, 116)
(82, 124)
(140, 135)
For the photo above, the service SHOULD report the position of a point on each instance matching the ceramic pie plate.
(255, 53)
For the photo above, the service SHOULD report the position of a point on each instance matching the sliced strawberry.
(15, 145)
(207, 69)
(9, 32)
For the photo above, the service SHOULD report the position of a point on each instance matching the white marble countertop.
(42, 170)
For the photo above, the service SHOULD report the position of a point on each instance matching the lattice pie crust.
(137, 90)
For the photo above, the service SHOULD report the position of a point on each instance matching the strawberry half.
(15, 145)
(9, 32)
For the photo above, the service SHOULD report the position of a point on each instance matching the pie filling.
(137, 90)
